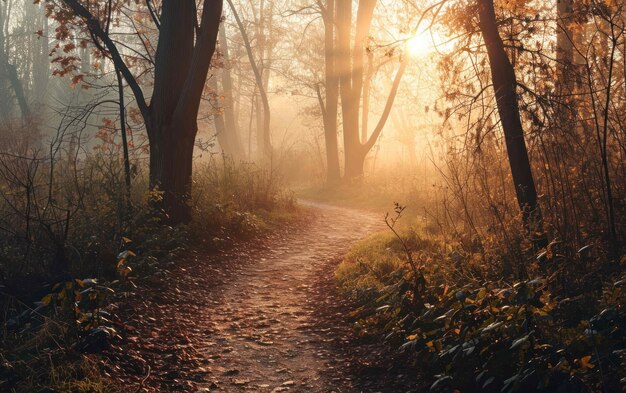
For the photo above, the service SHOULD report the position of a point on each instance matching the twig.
(144, 380)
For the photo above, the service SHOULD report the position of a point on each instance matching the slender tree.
(228, 103)
(330, 100)
(505, 85)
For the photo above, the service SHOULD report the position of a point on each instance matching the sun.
(419, 45)
(427, 42)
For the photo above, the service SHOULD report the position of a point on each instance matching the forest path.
(265, 319)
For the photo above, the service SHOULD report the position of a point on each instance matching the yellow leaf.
(47, 299)
(584, 362)
(125, 271)
(126, 240)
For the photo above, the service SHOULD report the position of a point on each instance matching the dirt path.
(260, 320)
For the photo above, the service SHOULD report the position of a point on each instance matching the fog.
(312, 195)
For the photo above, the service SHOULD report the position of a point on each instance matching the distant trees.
(259, 43)
(185, 48)
(226, 123)
(345, 93)
(9, 79)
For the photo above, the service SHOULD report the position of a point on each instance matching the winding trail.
(263, 319)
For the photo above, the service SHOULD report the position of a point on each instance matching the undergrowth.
(72, 245)
(490, 315)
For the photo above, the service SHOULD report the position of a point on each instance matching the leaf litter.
(262, 317)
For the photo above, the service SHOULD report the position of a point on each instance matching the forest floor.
(261, 317)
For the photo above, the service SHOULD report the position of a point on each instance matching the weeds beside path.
(260, 317)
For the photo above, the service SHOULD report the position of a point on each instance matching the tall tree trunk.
(351, 80)
(564, 41)
(367, 86)
(505, 85)
(126, 156)
(230, 119)
(171, 138)
(331, 90)
(18, 89)
(350, 98)
(42, 68)
(566, 72)
(5, 107)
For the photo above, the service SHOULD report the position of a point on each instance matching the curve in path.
(247, 320)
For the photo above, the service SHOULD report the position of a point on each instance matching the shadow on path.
(263, 319)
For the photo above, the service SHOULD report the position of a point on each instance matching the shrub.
(560, 331)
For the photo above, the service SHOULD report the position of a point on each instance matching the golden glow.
(427, 42)
(419, 45)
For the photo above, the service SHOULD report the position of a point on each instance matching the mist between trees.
(499, 124)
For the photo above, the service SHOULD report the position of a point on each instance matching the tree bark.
(42, 68)
(331, 90)
(505, 84)
(230, 119)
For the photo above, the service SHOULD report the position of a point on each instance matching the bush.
(474, 331)
(71, 241)
(237, 200)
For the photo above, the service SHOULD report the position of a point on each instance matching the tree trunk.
(230, 119)
(505, 84)
(564, 43)
(350, 97)
(16, 84)
(329, 106)
(367, 86)
(171, 138)
(566, 72)
(42, 68)
(351, 80)
(171, 168)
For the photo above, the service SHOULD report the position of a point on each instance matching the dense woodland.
(312, 195)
